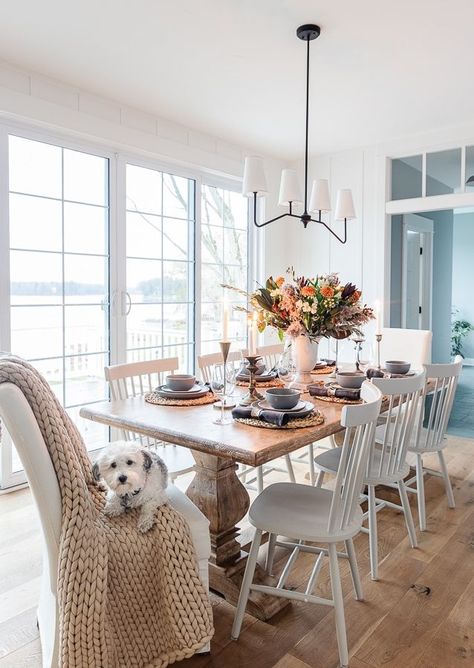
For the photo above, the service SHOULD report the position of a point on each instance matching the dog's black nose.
(122, 478)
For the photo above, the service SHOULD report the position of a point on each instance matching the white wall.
(29, 97)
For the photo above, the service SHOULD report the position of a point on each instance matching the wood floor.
(419, 614)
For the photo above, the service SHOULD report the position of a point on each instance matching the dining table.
(216, 489)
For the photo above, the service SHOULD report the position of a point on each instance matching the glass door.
(59, 276)
(159, 292)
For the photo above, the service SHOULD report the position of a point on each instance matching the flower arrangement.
(316, 307)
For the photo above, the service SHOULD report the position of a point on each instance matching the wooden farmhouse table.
(216, 488)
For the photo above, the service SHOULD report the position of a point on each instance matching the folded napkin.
(374, 373)
(340, 392)
(328, 362)
(279, 418)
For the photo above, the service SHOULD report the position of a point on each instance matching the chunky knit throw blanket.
(125, 598)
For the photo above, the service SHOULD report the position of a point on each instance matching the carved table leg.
(218, 493)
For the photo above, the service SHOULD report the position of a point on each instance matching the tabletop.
(193, 427)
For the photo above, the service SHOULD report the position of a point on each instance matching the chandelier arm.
(321, 222)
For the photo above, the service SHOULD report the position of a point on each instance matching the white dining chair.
(315, 515)
(387, 461)
(137, 378)
(430, 433)
(412, 345)
(206, 363)
(20, 422)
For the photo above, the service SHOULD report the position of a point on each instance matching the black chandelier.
(254, 182)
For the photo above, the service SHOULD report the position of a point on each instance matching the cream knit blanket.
(125, 598)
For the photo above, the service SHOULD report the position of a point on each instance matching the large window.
(59, 271)
(160, 265)
(106, 259)
(224, 257)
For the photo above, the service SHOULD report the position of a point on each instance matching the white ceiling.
(235, 69)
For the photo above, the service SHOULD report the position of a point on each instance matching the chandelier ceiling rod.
(254, 182)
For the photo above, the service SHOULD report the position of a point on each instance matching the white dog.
(136, 478)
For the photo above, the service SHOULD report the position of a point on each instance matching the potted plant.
(459, 330)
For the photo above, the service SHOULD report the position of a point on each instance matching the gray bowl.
(282, 397)
(397, 366)
(180, 382)
(350, 379)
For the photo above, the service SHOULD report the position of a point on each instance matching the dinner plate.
(307, 408)
(194, 393)
(262, 378)
(265, 405)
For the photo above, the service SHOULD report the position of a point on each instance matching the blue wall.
(463, 267)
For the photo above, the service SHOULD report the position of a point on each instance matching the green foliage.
(459, 330)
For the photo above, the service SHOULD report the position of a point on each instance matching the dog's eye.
(113, 465)
(129, 462)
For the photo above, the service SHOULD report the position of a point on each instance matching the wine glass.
(286, 368)
(231, 370)
(218, 386)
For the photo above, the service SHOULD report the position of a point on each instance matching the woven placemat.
(276, 382)
(322, 371)
(154, 398)
(299, 423)
(337, 400)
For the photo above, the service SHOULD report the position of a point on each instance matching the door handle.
(128, 299)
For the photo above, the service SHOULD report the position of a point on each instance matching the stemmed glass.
(222, 385)
(286, 368)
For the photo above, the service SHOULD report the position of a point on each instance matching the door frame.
(423, 226)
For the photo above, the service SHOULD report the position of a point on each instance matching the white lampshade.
(319, 200)
(344, 205)
(289, 188)
(254, 177)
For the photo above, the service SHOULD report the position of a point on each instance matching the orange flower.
(279, 281)
(327, 291)
(308, 291)
(355, 296)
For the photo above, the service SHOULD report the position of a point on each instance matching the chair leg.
(289, 467)
(259, 479)
(320, 479)
(351, 553)
(338, 606)
(420, 486)
(312, 476)
(447, 481)
(374, 557)
(270, 553)
(407, 512)
(246, 583)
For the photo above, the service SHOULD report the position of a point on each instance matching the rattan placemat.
(154, 398)
(276, 382)
(298, 423)
(322, 371)
(337, 400)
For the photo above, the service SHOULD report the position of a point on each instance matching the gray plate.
(262, 378)
(303, 412)
(196, 392)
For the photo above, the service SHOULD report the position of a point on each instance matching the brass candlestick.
(378, 338)
(225, 347)
(252, 393)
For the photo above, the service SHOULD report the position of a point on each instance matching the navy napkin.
(341, 393)
(278, 418)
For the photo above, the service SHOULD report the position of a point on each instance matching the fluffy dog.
(136, 478)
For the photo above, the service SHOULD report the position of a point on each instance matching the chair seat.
(300, 512)
(329, 462)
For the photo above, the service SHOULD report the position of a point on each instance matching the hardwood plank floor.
(420, 614)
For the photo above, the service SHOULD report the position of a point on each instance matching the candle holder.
(358, 347)
(225, 402)
(252, 393)
(378, 338)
